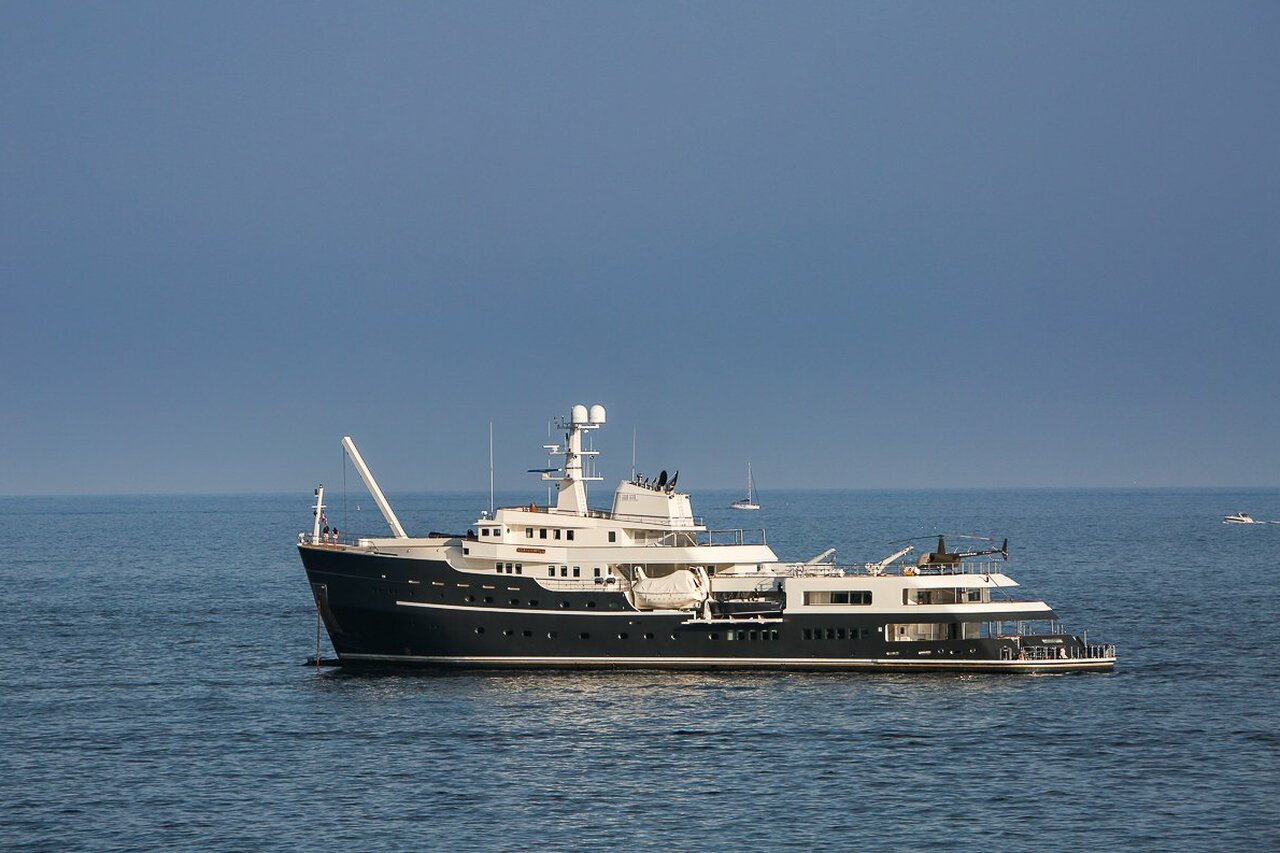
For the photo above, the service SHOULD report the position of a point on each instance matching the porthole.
(648, 636)
(526, 633)
(515, 601)
(471, 598)
(591, 605)
(622, 636)
(673, 636)
(564, 605)
(488, 599)
(533, 602)
(506, 632)
(584, 636)
(479, 630)
(551, 635)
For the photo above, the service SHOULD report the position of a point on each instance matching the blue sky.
(861, 244)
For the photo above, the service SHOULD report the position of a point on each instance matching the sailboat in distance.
(749, 502)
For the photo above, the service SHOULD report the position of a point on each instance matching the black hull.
(395, 611)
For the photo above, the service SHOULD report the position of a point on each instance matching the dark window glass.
(839, 633)
(648, 636)
(613, 536)
(479, 630)
(557, 534)
(577, 571)
(584, 636)
(528, 531)
(526, 633)
(551, 635)
(551, 571)
(542, 533)
(622, 636)
(597, 571)
(568, 534)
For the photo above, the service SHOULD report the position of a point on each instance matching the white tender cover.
(680, 590)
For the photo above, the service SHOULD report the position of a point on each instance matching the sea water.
(152, 695)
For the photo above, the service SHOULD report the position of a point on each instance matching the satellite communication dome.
(579, 415)
(597, 414)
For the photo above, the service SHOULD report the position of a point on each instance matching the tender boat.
(1240, 518)
(645, 583)
(749, 501)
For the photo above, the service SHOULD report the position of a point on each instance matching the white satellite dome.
(597, 414)
(579, 415)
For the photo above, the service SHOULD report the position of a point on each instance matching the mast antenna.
(490, 469)
(633, 454)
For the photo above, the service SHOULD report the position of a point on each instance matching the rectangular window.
(551, 571)
(484, 531)
(499, 566)
(577, 571)
(557, 534)
(831, 633)
(568, 534)
(613, 536)
(839, 633)
(564, 571)
(597, 571)
(808, 635)
(528, 532)
(542, 533)
(839, 597)
(519, 568)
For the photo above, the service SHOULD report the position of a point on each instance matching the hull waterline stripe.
(868, 663)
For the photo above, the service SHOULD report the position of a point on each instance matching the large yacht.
(646, 583)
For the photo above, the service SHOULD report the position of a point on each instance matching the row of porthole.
(551, 635)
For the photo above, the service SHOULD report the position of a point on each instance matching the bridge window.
(568, 534)
(542, 533)
(557, 534)
(528, 532)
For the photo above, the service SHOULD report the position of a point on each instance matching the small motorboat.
(1240, 518)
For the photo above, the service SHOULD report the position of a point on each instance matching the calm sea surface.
(152, 696)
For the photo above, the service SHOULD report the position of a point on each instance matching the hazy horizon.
(863, 246)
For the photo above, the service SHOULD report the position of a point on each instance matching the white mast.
(573, 493)
(319, 513)
(490, 468)
(372, 485)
